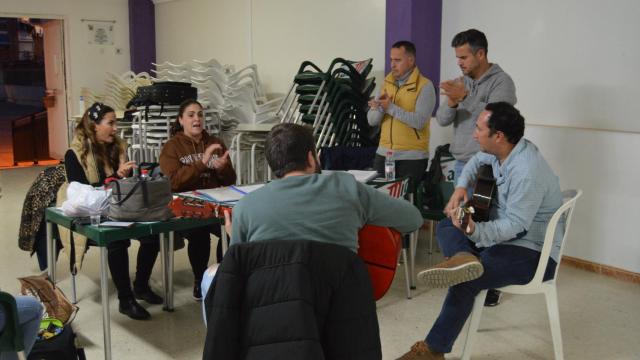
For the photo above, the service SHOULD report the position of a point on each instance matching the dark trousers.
(414, 169)
(118, 259)
(40, 244)
(199, 248)
(503, 265)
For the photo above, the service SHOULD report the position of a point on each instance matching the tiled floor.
(600, 317)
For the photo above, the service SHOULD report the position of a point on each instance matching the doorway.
(32, 91)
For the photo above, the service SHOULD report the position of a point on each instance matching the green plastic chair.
(11, 339)
(437, 186)
(441, 193)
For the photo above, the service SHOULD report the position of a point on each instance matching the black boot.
(493, 297)
(197, 292)
(132, 309)
(147, 295)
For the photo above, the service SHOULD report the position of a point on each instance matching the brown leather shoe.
(457, 269)
(420, 351)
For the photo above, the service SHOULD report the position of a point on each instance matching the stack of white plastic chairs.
(233, 98)
(237, 95)
(120, 89)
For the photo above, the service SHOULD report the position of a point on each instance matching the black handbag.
(140, 199)
(163, 93)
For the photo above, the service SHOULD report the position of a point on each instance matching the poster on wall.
(100, 32)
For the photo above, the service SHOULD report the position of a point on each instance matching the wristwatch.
(468, 231)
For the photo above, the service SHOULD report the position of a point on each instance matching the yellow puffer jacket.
(395, 134)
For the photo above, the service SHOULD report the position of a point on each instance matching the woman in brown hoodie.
(193, 159)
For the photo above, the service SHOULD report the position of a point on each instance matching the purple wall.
(419, 21)
(142, 35)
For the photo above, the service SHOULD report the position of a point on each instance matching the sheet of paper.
(249, 188)
(361, 175)
(222, 194)
(124, 224)
(228, 193)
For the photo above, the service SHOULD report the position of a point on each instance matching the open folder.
(226, 194)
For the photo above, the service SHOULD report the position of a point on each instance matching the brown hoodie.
(181, 161)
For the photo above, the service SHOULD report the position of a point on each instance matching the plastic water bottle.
(389, 166)
(81, 104)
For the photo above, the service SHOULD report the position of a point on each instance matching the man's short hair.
(475, 39)
(287, 146)
(408, 46)
(506, 118)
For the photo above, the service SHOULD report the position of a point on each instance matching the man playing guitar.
(503, 250)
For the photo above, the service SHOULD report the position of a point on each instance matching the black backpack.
(430, 192)
(60, 347)
(163, 93)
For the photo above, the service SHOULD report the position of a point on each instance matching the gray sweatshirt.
(327, 208)
(493, 86)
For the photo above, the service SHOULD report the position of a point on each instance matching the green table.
(102, 236)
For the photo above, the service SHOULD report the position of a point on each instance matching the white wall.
(602, 163)
(203, 29)
(275, 35)
(605, 165)
(572, 60)
(288, 32)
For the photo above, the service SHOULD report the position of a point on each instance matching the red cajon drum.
(380, 247)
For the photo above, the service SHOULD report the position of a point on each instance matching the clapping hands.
(454, 90)
(383, 101)
(213, 158)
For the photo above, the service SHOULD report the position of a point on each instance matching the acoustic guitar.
(379, 247)
(479, 206)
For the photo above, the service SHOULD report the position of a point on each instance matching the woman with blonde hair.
(97, 153)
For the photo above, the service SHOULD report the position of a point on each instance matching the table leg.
(413, 244)
(170, 271)
(104, 287)
(223, 238)
(163, 260)
(51, 253)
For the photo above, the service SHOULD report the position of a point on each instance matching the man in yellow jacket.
(403, 109)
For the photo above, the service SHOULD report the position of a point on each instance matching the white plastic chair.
(536, 285)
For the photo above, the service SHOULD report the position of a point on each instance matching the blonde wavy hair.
(85, 133)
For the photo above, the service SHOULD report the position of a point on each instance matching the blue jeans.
(29, 316)
(503, 265)
(208, 279)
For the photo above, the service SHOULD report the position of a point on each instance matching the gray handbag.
(140, 199)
